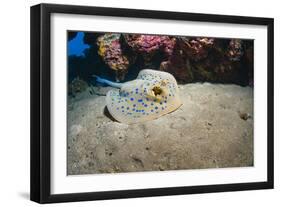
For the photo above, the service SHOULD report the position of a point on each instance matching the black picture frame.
(41, 98)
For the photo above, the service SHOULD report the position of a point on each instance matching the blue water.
(76, 46)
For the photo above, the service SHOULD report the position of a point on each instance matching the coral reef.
(231, 65)
(196, 48)
(209, 59)
(188, 59)
(249, 60)
(109, 49)
(178, 65)
(150, 45)
(235, 50)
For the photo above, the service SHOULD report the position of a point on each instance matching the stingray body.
(151, 95)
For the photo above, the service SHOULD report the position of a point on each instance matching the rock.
(209, 59)
(149, 46)
(235, 50)
(109, 49)
(178, 65)
(189, 59)
(212, 129)
(217, 60)
(249, 61)
(227, 71)
(77, 85)
(196, 48)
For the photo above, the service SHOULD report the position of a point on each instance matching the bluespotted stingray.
(151, 95)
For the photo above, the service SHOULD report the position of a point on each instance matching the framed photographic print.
(133, 103)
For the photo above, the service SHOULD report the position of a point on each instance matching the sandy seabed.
(212, 129)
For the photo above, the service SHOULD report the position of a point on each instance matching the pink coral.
(148, 45)
(112, 54)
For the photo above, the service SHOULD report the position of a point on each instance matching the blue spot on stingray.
(151, 110)
(131, 99)
(133, 109)
(145, 105)
(117, 108)
(122, 110)
(134, 105)
(140, 100)
(122, 107)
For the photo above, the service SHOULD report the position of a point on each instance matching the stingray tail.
(107, 82)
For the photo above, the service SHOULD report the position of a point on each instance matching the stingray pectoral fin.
(107, 82)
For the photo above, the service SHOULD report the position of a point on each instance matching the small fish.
(151, 95)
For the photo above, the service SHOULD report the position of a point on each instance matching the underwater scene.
(148, 102)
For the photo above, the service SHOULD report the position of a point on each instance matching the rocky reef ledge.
(212, 129)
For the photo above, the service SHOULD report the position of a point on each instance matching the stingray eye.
(157, 90)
